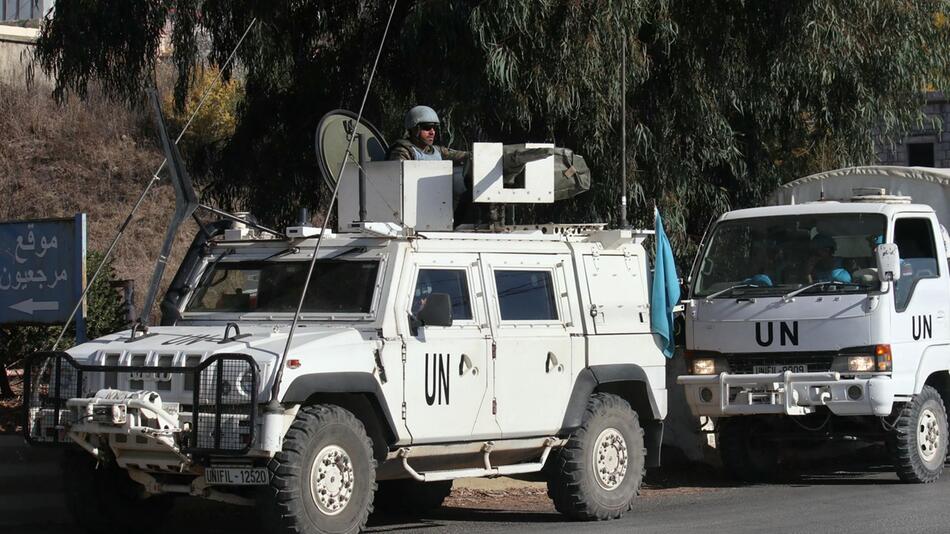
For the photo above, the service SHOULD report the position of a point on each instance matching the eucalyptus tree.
(724, 100)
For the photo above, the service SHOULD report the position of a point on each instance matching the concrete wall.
(16, 52)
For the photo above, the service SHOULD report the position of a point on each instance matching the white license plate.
(236, 476)
(772, 369)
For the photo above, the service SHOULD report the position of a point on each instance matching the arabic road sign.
(42, 270)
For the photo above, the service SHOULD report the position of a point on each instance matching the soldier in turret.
(421, 123)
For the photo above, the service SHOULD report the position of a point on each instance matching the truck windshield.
(336, 286)
(775, 255)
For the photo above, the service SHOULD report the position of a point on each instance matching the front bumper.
(787, 393)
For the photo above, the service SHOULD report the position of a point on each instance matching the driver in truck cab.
(822, 265)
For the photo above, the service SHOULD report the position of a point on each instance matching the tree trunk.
(6, 391)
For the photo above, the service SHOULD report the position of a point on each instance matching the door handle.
(466, 365)
(551, 362)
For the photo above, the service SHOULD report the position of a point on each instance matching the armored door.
(531, 314)
(447, 369)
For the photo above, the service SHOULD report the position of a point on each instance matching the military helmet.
(420, 114)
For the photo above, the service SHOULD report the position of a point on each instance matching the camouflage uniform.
(402, 150)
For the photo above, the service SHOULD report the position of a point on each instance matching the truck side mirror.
(437, 310)
(888, 262)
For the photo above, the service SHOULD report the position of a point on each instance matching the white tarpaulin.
(924, 185)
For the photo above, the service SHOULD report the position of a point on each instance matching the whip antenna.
(275, 389)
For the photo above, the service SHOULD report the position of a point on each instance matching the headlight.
(861, 364)
(874, 358)
(704, 366)
(246, 385)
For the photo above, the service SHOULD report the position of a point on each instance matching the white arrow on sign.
(29, 306)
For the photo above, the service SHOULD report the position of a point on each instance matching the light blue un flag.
(665, 293)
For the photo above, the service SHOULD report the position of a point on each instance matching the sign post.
(43, 271)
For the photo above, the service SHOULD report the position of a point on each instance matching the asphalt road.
(843, 500)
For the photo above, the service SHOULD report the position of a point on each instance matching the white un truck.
(826, 316)
(424, 354)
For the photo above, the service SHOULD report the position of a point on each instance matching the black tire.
(339, 438)
(574, 484)
(103, 499)
(918, 442)
(410, 497)
(745, 456)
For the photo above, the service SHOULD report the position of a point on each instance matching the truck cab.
(824, 319)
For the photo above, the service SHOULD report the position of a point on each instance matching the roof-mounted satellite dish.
(332, 137)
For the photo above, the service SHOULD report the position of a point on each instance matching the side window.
(526, 295)
(914, 238)
(454, 282)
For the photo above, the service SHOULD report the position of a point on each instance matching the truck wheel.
(324, 478)
(745, 457)
(597, 474)
(410, 497)
(103, 499)
(918, 442)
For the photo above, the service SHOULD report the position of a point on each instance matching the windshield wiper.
(791, 294)
(728, 289)
(291, 250)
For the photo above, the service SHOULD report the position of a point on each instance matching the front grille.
(745, 363)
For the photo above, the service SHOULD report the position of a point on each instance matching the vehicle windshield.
(777, 255)
(336, 286)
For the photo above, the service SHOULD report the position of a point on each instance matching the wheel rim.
(928, 435)
(610, 458)
(331, 480)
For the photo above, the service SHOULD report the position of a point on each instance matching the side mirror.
(888, 262)
(437, 310)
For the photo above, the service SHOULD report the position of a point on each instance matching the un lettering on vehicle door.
(446, 367)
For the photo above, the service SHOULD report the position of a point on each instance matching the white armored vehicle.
(423, 354)
(826, 316)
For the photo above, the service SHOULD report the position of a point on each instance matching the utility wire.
(275, 389)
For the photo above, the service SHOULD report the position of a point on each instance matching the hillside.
(91, 156)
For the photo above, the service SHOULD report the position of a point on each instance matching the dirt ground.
(516, 495)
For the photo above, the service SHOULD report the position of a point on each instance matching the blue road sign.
(42, 270)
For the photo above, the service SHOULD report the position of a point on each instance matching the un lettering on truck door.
(922, 327)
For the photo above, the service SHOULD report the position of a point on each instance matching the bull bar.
(787, 393)
(221, 422)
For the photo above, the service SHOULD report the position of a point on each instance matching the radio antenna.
(275, 389)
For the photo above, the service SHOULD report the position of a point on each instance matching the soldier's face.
(426, 133)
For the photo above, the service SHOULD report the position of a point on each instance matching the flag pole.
(623, 135)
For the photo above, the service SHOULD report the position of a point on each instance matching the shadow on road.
(379, 522)
(683, 475)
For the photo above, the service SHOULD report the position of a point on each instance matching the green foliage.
(212, 125)
(724, 100)
(105, 313)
